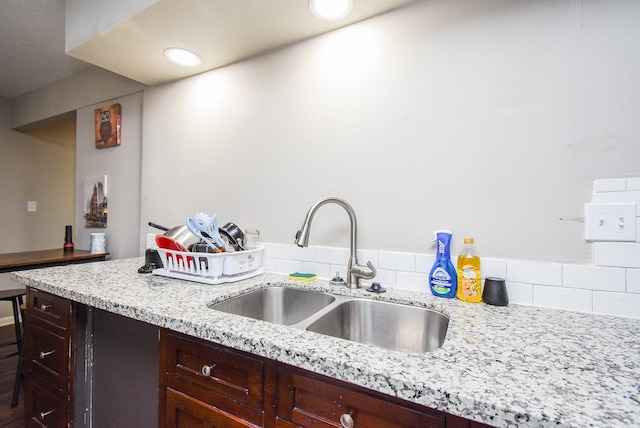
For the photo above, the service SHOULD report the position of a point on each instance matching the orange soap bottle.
(469, 276)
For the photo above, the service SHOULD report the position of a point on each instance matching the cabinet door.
(232, 382)
(314, 402)
(183, 411)
(208, 368)
(47, 309)
(45, 355)
(46, 409)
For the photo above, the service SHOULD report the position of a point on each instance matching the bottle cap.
(468, 240)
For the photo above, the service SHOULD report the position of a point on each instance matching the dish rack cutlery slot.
(210, 268)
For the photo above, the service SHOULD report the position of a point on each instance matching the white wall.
(488, 118)
(38, 167)
(34, 167)
(121, 164)
(86, 87)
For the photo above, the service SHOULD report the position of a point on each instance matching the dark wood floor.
(9, 418)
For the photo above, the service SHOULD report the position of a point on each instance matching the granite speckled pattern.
(504, 366)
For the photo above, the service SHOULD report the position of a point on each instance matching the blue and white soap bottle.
(443, 278)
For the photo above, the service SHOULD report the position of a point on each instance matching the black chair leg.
(20, 340)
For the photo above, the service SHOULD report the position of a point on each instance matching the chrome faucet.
(354, 271)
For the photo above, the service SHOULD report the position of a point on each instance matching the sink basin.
(388, 325)
(279, 305)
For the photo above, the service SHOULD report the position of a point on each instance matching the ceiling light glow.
(330, 9)
(182, 57)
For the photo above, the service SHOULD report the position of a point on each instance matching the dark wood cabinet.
(308, 400)
(49, 359)
(211, 384)
(202, 384)
(185, 411)
(208, 385)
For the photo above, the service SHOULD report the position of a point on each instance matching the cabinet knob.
(206, 370)
(44, 307)
(45, 414)
(346, 421)
(44, 354)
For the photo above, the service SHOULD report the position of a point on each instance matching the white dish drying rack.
(210, 268)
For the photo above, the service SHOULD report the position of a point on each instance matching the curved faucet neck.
(353, 232)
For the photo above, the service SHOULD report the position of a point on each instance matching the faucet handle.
(366, 272)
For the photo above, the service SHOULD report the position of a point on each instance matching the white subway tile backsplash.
(424, 262)
(322, 270)
(572, 299)
(594, 277)
(331, 255)
(276, 251)
(620, 304)
(534, 272)
(493, 267)
(520, 293)
(609, 185)
(368, 255)
(269, 264)
(413, 281)
(633, 281)
(633, 183)
(617, 197)
(386, 278)
(397, 261)
(305, 254)
(620, 254)
(286, 267)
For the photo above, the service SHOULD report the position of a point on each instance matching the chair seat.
(12, 293)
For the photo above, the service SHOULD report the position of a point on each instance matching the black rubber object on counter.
(376, 288)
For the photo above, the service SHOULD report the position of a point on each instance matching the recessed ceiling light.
(182, 56)
(330, 9)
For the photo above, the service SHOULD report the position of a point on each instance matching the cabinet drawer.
(314, 401)
(45, 408)
(183, 411)
(201, 368)
(46, 355)
(46, 307)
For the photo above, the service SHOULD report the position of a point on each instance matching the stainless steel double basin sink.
(388, 325)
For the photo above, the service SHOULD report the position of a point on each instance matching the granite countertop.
(504, 366)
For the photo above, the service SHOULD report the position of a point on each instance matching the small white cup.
(251, 238)
(98, 243)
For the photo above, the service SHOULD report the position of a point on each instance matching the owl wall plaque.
(108, 126)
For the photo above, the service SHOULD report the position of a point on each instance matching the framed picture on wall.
(107, 123)
(95, 197)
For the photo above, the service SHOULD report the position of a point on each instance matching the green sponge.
(297, 276)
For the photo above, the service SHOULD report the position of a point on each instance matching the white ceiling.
(220, 31)
(32, 46)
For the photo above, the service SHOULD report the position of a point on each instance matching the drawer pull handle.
(206, 370)
(44, 307)
(346, 421)
(45, 414)
(45, 353)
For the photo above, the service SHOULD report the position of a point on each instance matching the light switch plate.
(610, 222)
(32, 206)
